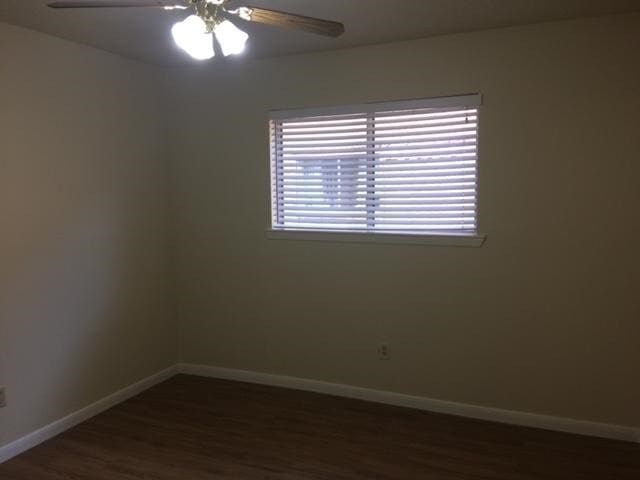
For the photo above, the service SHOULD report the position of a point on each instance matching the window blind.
(391, 167)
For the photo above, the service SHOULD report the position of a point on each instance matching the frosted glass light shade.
(232, 40)
(191, 35)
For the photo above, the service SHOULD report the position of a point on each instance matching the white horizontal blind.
(397, 167)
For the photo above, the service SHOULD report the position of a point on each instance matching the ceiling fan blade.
(124, 4)
(292, 21)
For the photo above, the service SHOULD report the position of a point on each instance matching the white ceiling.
(143, 34)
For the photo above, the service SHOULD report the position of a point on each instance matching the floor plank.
(193, 428)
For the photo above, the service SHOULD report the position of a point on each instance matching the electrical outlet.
(384, 351)
(3, 401)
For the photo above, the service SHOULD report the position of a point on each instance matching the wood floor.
(192, 428)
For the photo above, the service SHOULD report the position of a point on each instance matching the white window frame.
(473, 239)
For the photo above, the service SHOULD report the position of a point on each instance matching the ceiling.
(144, 33)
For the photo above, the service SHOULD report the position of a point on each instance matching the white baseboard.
(581, 427)
(45, 433)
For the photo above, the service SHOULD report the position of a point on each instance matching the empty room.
(319, 240)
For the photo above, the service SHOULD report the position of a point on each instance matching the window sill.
(445, 240)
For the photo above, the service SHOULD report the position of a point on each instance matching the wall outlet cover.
(384, 351)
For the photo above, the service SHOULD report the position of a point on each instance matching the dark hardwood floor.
(192, 428)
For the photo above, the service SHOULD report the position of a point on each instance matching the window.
(403, 168)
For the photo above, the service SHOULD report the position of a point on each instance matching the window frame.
(462, 239)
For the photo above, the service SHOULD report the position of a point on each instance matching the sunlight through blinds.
(391, 167)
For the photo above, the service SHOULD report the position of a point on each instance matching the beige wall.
(84, 299)
(544, 318)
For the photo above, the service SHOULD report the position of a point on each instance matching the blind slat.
(338, 193)
(381, 164)
(359, 140)
(400, 124)
(405, 133)
(413, 215)
(363, 217)
(406, 205)
(293, 175)
(382, 158)
(425, 196)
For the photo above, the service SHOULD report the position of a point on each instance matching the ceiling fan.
(214, 18)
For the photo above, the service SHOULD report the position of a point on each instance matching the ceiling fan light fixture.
(232, 40)
(191, 35)
(195, 34)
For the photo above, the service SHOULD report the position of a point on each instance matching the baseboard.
(568, 425)
(45, 433)
(581, 427)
